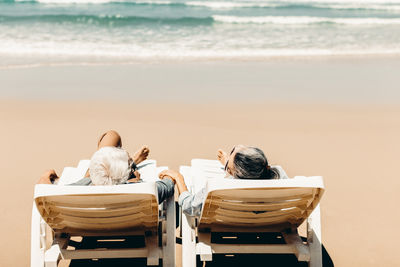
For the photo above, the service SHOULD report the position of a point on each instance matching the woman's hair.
(251, 163)
(109, 166)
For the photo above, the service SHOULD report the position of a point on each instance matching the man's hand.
(135, 180)
(48, 177)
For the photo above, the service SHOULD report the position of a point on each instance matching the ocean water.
(130, 30)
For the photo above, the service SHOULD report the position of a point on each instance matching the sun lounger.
(111, 213)
(234, 208)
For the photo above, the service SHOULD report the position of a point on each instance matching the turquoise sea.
(189, 29)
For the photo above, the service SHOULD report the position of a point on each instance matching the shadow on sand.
(247, 260)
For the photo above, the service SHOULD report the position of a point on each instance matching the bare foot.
(222, 156)
(141, 154)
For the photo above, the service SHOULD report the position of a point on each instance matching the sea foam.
(181, 29)
(389, 5)
(304, 20)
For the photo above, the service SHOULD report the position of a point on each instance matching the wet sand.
(350, 80)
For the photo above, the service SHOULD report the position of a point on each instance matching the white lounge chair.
(234, 206)
(108, 212)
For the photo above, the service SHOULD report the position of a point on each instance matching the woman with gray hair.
(243, 162)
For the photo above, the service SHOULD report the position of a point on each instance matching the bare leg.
(138, 157)
(110, 138)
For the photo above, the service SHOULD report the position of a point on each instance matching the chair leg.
(153, 255)
(302, 251)
(314, 237)
(188, 243)
(203, 247)
(169, 248)
(52, 256)
(38, 239)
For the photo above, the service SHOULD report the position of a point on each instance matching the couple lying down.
(111, 165)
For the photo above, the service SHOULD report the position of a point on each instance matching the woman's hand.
(176, 177)
(222, 156)
(173, 175)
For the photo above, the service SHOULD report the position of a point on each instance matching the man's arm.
(165, 189)
(83, 181)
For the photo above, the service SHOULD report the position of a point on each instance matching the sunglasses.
(226, 164)
(133, 169)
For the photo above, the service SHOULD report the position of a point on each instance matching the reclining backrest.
(97, 209)
(278, 204)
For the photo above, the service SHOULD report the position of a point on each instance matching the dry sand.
(355, 149)
(354, 145)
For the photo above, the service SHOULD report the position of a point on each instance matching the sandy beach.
(313, 83)
(352, 142)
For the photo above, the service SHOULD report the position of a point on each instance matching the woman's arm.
(191, 203)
